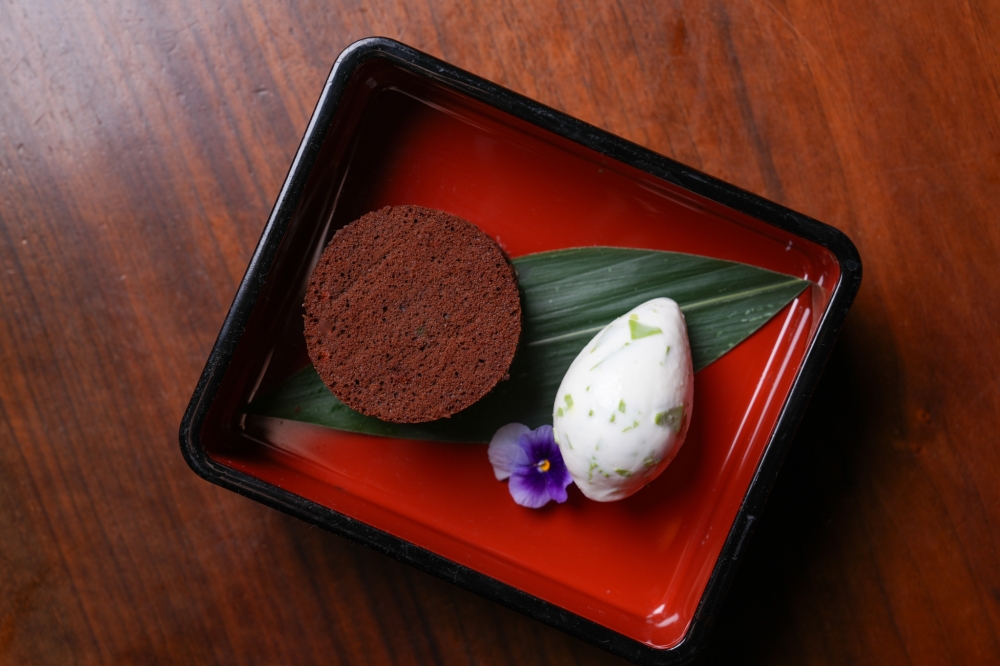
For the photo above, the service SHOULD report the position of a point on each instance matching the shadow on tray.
(796, 539)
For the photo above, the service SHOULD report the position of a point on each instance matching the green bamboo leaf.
(567, 296)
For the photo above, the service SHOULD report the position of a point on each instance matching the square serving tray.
(642, 578)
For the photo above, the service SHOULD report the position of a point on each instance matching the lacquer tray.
(643, 577)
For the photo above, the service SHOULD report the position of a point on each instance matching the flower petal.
(529, 488)
(540, 443)
(557, 479)
(504, 449)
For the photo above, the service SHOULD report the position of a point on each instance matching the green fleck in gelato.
(672, 418)
(639, 330)
(635, 424)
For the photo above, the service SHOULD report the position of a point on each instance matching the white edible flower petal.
(504, 448)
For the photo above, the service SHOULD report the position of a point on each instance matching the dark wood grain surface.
(141, 147)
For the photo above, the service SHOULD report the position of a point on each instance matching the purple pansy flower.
(532, 461)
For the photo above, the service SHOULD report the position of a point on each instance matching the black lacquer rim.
(615, 148)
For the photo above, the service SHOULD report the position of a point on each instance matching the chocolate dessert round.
(412, 314)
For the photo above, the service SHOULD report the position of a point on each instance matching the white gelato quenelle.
(623, 408)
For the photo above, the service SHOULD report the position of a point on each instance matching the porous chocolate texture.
(412, 314)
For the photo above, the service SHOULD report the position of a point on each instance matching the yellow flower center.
(544, 465)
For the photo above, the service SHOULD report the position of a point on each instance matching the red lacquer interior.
(638, 566)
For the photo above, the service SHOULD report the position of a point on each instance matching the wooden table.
(141, 150)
